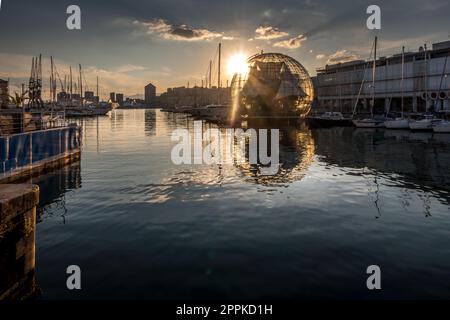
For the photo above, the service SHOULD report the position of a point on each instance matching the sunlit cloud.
(167, 31)
(292, 43)
(320, 56)
(269, 33)
(131, 68)
(155, 26)
(342, 56)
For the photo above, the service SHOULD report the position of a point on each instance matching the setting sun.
(237, 64)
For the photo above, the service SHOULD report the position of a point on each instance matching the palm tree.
(18, 99)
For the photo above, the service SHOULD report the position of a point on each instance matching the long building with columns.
(425, 86)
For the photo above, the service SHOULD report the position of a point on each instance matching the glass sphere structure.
(275, 85)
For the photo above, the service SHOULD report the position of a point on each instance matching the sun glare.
(237, 64)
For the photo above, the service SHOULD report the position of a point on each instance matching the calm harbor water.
(142, 227)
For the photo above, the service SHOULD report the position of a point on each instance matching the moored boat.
(424, 124)
(442, 127)
(329, 119)
(399, 123)
(182, 109)
(101, 109)
(369, 123)
(215, 112)
(375, 121)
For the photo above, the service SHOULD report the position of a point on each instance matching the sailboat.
(442, 127)
(429, 120)
(399, 123)
(372, 122)
(214, 112)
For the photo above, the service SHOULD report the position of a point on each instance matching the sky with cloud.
(129, 43)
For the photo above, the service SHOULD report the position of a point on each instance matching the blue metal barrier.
(20, 150)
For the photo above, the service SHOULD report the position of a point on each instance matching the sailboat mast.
(51, 89)
(51, 79)
(210, 71)
(218, 75)
(81, 87)
(426, 78)
(373, 75)
(98, 97)
(403, 76)
(220, 57)
(71, 84)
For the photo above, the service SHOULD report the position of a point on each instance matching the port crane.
(35, 84)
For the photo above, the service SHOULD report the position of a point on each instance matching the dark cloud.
(180, 33)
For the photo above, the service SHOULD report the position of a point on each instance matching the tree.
(19, 99)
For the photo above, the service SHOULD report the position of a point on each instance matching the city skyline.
(131, 43)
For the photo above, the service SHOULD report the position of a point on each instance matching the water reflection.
(296, 154)
(405, 159)
(150, 122)
(54, 186)
(267, 236)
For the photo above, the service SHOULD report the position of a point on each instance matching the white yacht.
(402, 122)
(373, 121)
(329, 119)
(426, 123)
(369, 123)
(398, 123)
(442, 127)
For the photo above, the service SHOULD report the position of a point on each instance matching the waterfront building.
(425, 85)
(119, 98)
(196, 96)
(4, 93)
(150, 93)
(112, 97)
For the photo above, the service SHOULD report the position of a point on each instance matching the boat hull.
(397, 124)
(368, 124)
(421, 126)
(100, 112)
(442, 128)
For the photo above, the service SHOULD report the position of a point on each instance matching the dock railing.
(23, 151)
(16, 121)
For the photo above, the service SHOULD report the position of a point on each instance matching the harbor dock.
(17, 241)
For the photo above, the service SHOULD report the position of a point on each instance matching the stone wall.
(17, 241)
